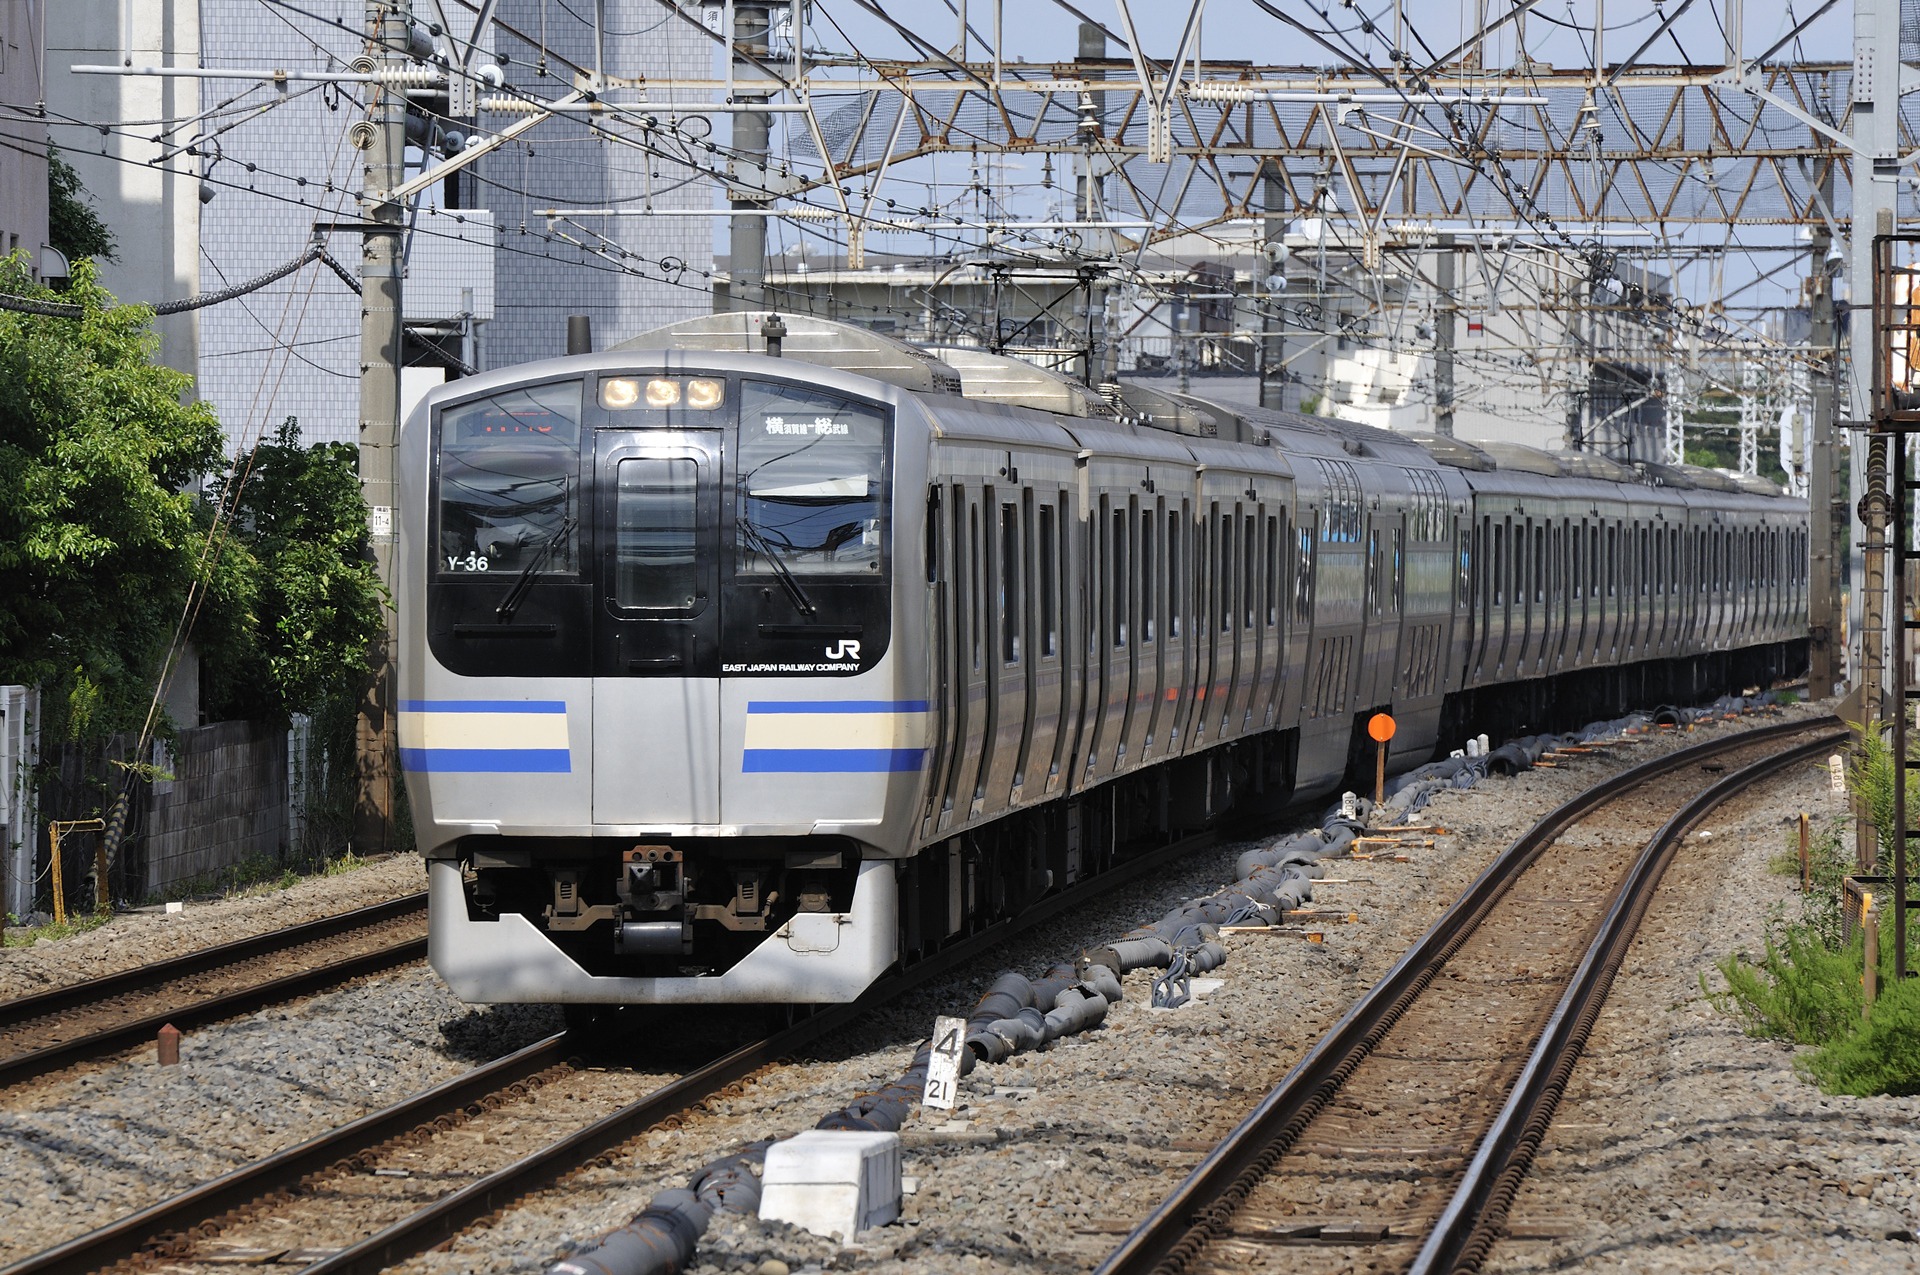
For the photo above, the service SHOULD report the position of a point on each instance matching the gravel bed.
(136, 938)
(101, 1145)
(1685, 1145)
(1052, 1155)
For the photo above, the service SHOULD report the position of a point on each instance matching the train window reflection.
(655, 534)
(812, 473)
(506, 489)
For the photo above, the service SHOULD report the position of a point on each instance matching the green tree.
(296, 599)
(99, 540)
(72, 225)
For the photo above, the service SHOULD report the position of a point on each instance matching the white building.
(210, 182)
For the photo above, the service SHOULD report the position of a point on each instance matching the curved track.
(59, 1028)
(1388, 1147)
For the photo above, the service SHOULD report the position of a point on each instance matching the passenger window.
(1273, 571)
(1010, 595)
(973, 579)
(1223, 575)
(1149, 584)
(1248, 546)
(1049, 610)
(654, 536)
(1303, 574)
(1119, 577)
(1373, 571)
(1176, 602)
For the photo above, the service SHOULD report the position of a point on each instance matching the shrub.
(1801, 990)
(1880, 1055)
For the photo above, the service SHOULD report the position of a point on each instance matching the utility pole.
(1273, 333)
(1089, 204)
(747, 234)
(388, 25)
(1823, 583)
(1443, 313)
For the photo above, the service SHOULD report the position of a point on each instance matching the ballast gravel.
(1052, 1156)
(137, 938)
(98, 1146)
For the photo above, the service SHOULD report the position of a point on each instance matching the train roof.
(808, 339)
(1128, 408)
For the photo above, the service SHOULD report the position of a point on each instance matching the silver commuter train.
(735, 675)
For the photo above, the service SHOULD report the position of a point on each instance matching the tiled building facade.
(292, 347)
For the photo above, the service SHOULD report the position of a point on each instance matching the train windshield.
(509, 483)
(812, 477)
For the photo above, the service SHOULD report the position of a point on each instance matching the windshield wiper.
(791, 585)
(523, 583)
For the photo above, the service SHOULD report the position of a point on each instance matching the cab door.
(656, 732)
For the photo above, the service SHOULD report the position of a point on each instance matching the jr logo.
(844, 649)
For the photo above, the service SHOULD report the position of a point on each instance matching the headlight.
(662, 393)
(704, 395)
(617, 393)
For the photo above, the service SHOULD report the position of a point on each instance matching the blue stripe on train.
(837, 706)
(480, 761)
(483, 706)
(819, 761)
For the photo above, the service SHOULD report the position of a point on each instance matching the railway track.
(354, 1201)
(1398, 1142)
(56, 1029)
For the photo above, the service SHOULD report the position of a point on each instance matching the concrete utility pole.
(1823, 582)
(1273, 333)
(747, 235)
(388, 24)
(1443, 315)
(1089, 204)
(1876, 176)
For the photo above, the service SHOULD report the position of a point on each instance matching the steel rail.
(1468, 1225)
(448, 1216)
(151, 1227)
(60, 1000)
(246, 1000)
(1205, 1201)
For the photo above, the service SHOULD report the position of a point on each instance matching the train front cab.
(652, 714)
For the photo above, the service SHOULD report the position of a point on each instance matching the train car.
(739, 671)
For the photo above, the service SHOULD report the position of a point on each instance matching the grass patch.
(1807, 987)
(77, 923)
(257, 874)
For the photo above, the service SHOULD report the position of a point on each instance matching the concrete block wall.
(227, 800)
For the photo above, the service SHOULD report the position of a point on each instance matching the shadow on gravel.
(487, 1032)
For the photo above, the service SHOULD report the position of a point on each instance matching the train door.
(968, 664)
(1273, 640)
(1098, 741)
(1503, 601)
(1013, 650)
(1174, 674)
(1224, 636)
(1150, 712)
(945, 720)
(656, 718)
(1246, 659)
(1035, 773)
(1295, 703)
(1134, 526)
(1386, 585)
(1181, 633)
